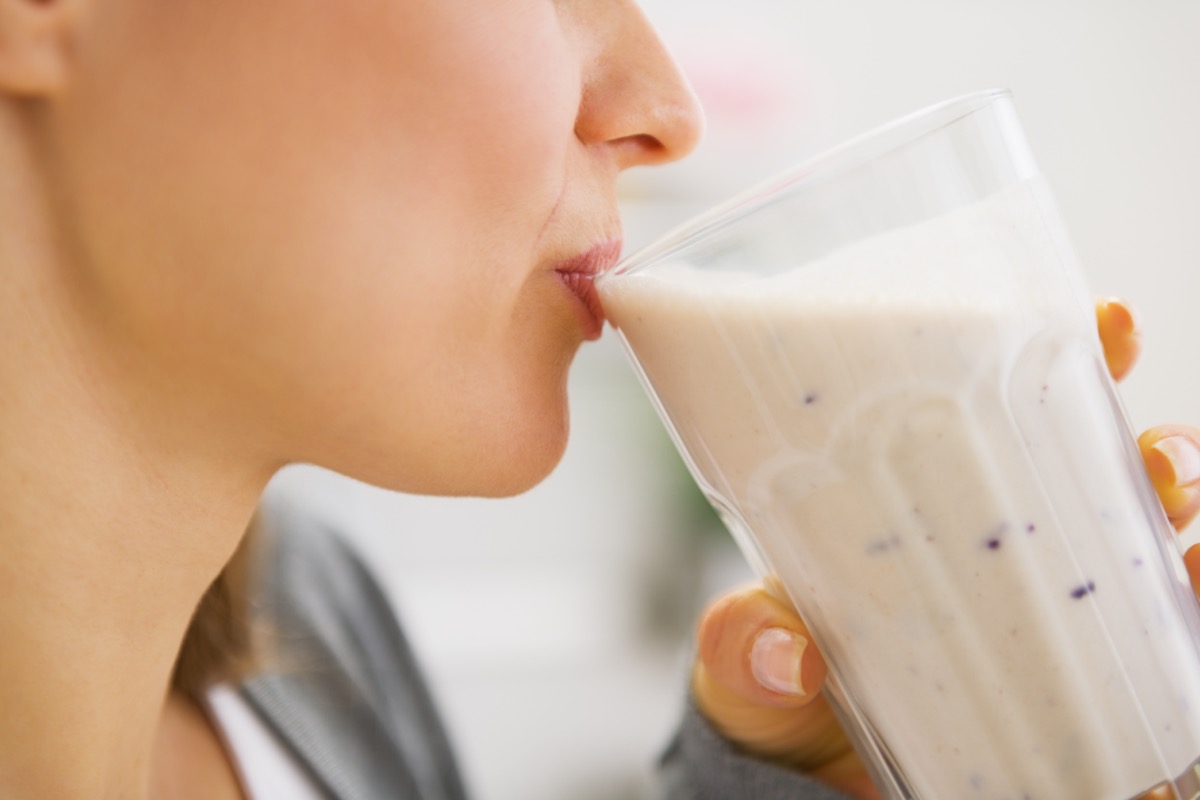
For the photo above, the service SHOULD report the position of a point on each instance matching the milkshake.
(916, 436)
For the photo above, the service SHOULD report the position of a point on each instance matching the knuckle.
(728, 626)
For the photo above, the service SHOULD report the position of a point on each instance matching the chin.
(510, 480)
(516, 444)
(497, 458)
(515, 464)
(498, 435)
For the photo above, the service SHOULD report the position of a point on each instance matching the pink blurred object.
(763, 106)
(744, 84)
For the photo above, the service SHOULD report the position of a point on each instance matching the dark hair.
(219, 644)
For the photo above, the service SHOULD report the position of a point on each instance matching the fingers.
(1119, 335)
(1172, 457)
(758, 677)
(1191, 560)
(756, 647)
(847, 774)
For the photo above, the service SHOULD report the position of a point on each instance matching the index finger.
(1171, 454)
(1119, 335)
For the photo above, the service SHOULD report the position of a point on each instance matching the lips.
(578, 275)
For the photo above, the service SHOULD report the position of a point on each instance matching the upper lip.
(598, 258)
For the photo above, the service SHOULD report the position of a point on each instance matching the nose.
(636, 102)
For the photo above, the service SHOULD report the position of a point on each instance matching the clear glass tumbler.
(883, 370)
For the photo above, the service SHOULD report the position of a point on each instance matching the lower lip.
(582, 288)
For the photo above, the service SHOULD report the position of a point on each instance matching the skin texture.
(239, 235)
(795, 725)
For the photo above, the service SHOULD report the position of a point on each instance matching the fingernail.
(775, 660)
(1120, 316)
(1181, 453)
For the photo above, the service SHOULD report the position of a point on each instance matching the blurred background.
(554, 625)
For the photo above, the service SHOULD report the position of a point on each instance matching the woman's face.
(336, 229)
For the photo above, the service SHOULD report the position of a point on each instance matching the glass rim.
(829, 163)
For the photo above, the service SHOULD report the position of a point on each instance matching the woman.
(239, 235)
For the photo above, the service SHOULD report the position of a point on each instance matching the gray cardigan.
(346, 696)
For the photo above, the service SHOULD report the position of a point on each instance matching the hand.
(758, 676)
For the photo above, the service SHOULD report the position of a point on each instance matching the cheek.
(345, 239)
(310, 146)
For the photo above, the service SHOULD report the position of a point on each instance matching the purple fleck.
(1079, 592)
(993, 540)
(1137, 562)
(1030, 528)
(809, 399)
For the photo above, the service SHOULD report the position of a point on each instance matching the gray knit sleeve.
(700, 764)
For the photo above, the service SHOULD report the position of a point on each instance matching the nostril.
(675, 135)
(641, 149)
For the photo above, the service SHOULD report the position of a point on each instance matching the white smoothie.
(920, 435)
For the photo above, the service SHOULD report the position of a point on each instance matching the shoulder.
(300, 552)
(306, 565)
(315, 591)
(338, 680)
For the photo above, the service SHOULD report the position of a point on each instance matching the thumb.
(1172, 457)
(758, 677)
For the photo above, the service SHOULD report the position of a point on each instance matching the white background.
(553, 625)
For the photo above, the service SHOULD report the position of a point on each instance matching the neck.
(114, 518)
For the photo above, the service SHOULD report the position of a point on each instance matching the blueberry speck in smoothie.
(1137, 562)
(1079, 592)
(1030, 528)
(993, 544)
(809, 399)
(884, 545)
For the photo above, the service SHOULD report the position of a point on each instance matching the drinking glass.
(883, 370)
